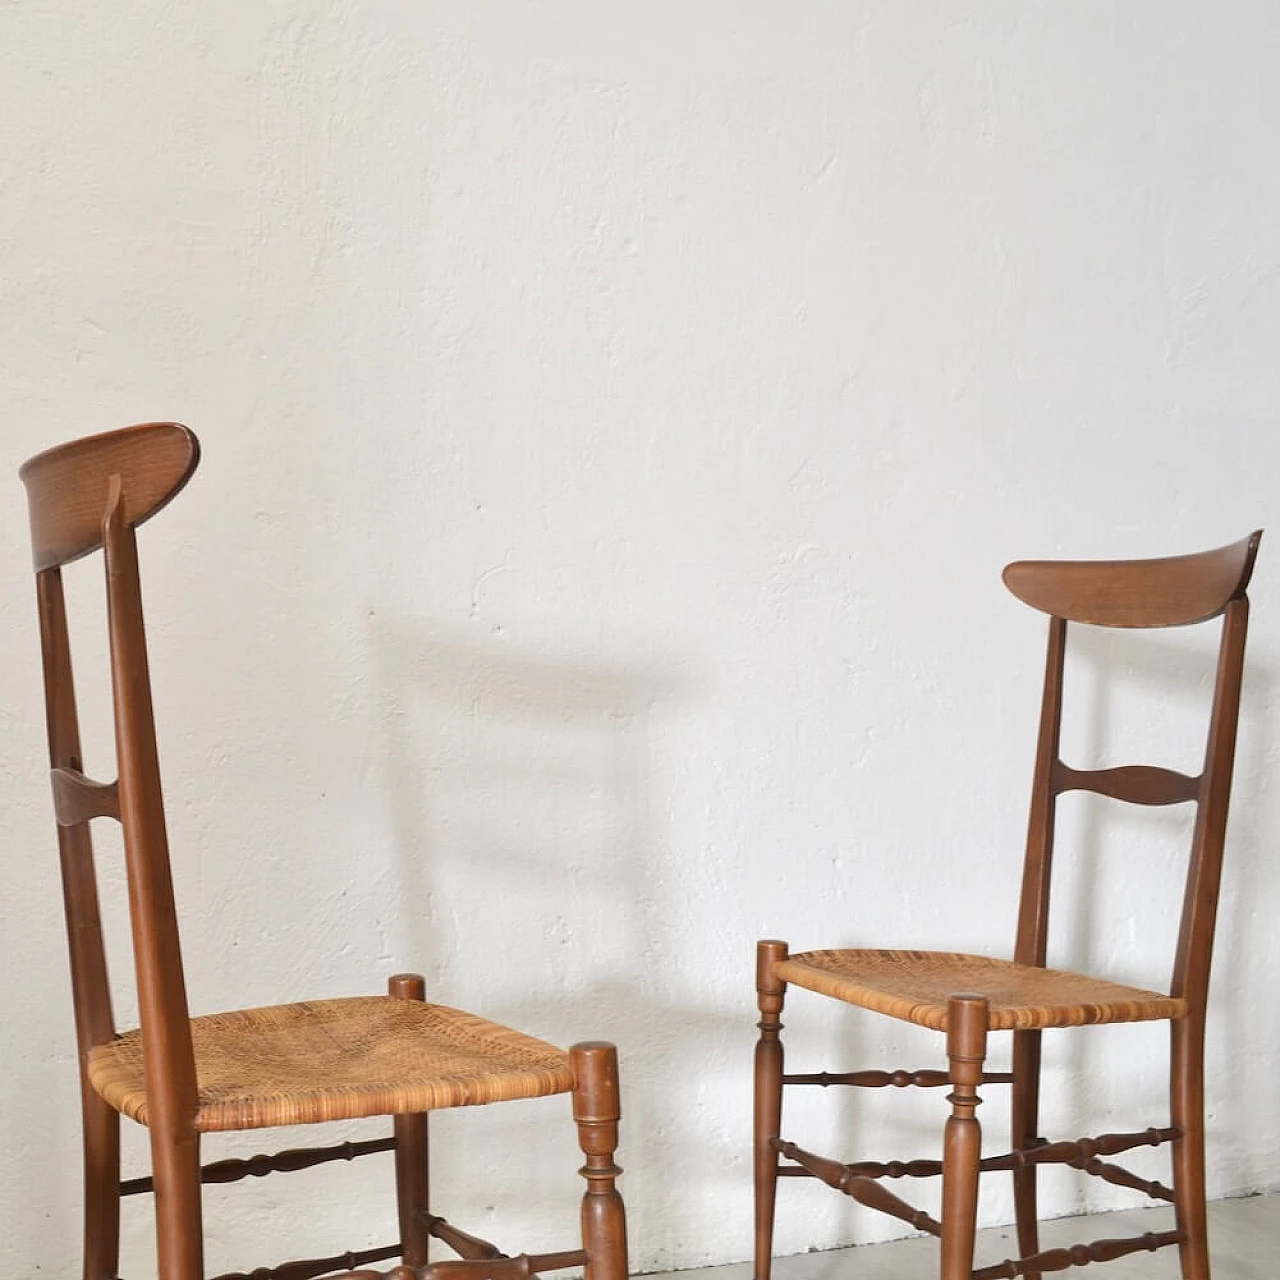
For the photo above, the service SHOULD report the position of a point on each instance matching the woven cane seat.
(915, 986)
(338, 1060)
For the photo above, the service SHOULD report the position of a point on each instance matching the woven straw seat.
(390, 1055)
(338, 1060)
(916, 985)
(968, 998)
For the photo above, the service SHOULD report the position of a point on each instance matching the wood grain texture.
(413, 1171)
(767, 1110)
(165, 1035)
(463, 1243)
(291, 1160)
(900, 1079)
(967, 1023)
(1081, 1154)
(1171, 592)
(306, 1269)
(523, 1266)
(67, 485)
(597, 1111)
(1134, 783)
(90, 990)
(858, 1185)
(1121, 1177)
(78, 799)
(1077, 1255)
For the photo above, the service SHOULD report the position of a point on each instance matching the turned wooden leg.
(1025, 1123)
(596, 1112)
(962, 1141)
(101, 1186)
(412, 1167)
(175, 1167)
(770, 993)
(1186, 1106)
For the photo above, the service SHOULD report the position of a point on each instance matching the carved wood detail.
(1078, 1255)
(1084, 1149)
(307, 1268)
(280, 1162)
(461, 1242)
(899, 1079)
(1121, 1177)
(76, 798)
(1133, 783)
(862, 1189)
(1082, 1154)
(523, 1266)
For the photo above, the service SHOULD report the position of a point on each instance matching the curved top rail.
(1171, 592)
(67, 485)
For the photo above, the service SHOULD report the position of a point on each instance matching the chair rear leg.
(412, 1153)
(1186, 1099)
(175, 1165)
(596, 1112)
(1025, 1123)
(962, 1142)
(770, 993)
(101, 1187)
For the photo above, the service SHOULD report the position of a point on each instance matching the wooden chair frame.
(92, 494)
(1023, 995)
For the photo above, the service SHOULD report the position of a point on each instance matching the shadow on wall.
(529, 848)
(519, 788)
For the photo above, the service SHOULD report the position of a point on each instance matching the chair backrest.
(83, 496)
(1172, 592)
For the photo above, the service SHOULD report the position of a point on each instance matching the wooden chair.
(183, 1077)
(967, 997)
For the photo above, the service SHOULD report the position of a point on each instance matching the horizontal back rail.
(77, 799)
(1133, 783)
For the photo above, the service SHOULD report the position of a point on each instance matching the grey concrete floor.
(1244, 1240)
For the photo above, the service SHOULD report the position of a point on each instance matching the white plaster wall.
(616, 417)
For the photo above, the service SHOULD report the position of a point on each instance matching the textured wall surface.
(615, 419)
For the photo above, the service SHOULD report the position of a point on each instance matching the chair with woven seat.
(969, 996)
(393, 1055)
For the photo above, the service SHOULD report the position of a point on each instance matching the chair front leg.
(596, 1111)
(962, 1141)
(770, 993)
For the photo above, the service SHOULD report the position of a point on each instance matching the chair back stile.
(90, 988)
(162, 997)
(1194, 952)
(1031, 946)
(1179, 591)
(86, 496)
